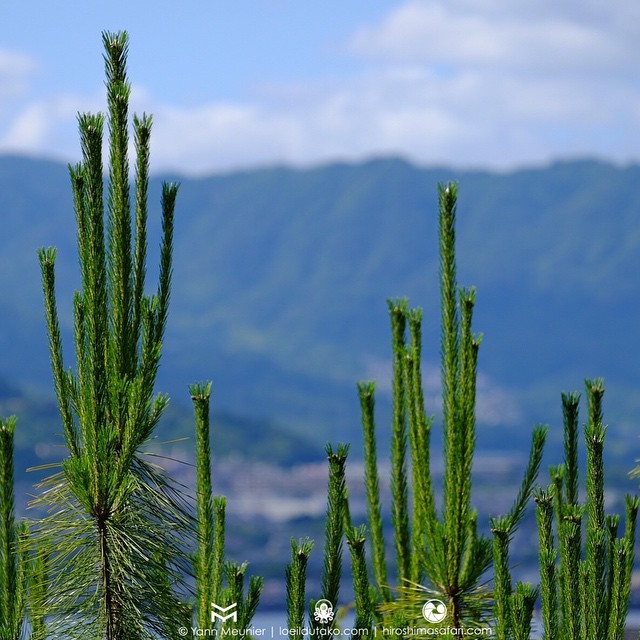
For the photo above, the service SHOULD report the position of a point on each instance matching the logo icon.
(434, 611)
(323, 612)
(218, 612)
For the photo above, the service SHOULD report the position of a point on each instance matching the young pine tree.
(584, 589)
(115, 533)
(437, 555)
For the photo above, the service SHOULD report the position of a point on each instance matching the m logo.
(219, 612)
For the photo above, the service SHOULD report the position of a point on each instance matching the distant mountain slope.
(281, 278)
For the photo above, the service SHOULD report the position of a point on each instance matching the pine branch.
(632, 506)
(570, 402)
(200, 394)
(217, 568)
(399, 481)
(366, 392)
(122, 345)
(38, 579)
(500, 527)
(12, 559)
(47, 265)
(531, 473)
(356, 538)
(469, 345)
(522, 603)
(296, 578)
(142, 136)
(334, 527)
(570, 567)
(612, 522)
(547, 560)
(620, 590)
(256, 584)
(595, 534)
(424, 509)
(452, 387)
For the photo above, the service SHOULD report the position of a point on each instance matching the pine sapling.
(438, 555)
(116, 534)
(585, 592)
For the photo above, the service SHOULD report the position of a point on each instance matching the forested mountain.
(281, 278)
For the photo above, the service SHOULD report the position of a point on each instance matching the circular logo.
(434, 611)
(323, 612)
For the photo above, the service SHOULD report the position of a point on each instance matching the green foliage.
(584, 591)
(38, 585)
(424, 508)
(295, 577)
(399, 480)
(334, 525)
(13, 560)
(207, 583)
(234, 592)
(356, 540)
(210, 567)
(117, 527)
(511, 607)
(366, 392)
(444, 551)
(521, 605)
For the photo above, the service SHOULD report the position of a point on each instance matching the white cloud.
(16, 71)
(48, 126)
(504, 35)
(15, 64)
(221, 135)
(467, 82)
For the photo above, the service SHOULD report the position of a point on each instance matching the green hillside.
(281, 278)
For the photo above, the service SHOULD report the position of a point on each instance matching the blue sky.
(244, 83)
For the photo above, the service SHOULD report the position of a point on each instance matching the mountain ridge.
(281, 276)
